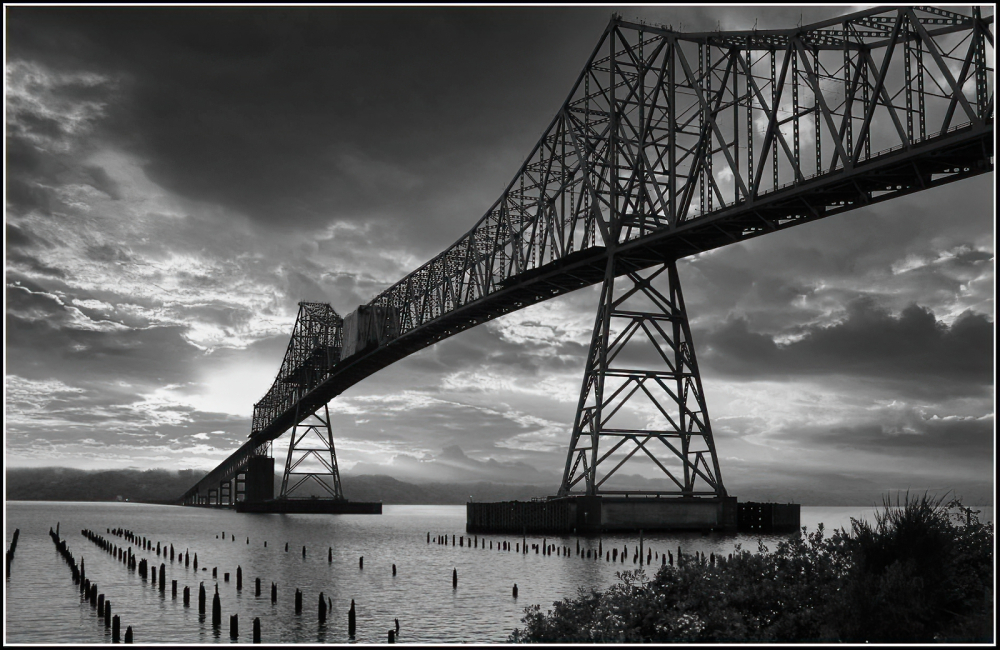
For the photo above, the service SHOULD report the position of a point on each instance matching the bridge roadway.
(962, 152)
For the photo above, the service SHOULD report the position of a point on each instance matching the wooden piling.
(225, 577)
(298, 601)
(128, 634)
(286, 547)
(201, 599)
(396, 621)
(329, 554)
(256, 588)
(107, 612)
(351, 627)
(187, 596)
(454, 578)
(216, 610)
(195, 561)
(322, 608)
(239, 578)
(163, 577)
(256, 630)
(274, 593)
(361, 562)
(215, 572)
(234, 626)
(303, 551)
(392, 636)
(116, 629)
(515, 590)
(428, 537)
(100, 605)
(393, 569)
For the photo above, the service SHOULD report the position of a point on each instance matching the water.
(44, 606)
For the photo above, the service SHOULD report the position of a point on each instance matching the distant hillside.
(64, 484)
(162, 486)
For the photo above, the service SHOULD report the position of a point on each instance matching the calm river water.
(44, 606)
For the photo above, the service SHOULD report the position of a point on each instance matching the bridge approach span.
(672, 144)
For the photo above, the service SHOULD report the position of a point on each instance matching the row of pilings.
(90, 592)
(640, 555)
(141, 566)
(157, 575)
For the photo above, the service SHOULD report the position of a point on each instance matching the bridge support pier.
(314, 465)
(259, 479)
(642, 355)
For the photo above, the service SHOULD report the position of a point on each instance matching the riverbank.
(921, 572)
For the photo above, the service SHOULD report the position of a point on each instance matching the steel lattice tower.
(642, 353)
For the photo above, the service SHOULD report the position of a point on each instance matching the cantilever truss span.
(673, 143)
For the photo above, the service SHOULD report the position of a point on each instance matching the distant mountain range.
(162, 486)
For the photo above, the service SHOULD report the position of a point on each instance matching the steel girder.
(672, 143)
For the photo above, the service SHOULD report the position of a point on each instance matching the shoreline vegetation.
(921, 573)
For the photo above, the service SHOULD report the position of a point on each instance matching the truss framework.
(662, 374)
(314, 348)
(674, 143)
(312, 465)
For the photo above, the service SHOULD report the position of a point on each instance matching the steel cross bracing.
(641, 352)
(312, 466)
(673, 143)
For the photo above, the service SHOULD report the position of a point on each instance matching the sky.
(178, 179)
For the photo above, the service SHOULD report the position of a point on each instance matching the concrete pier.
(581, 514)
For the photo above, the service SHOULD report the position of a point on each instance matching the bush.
(921, 572)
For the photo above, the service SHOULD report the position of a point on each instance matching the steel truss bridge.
(669, 144)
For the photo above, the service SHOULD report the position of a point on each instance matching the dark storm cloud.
(869, 343)
(952, 436)
(299, 116)
(19, 242)
(42, 333)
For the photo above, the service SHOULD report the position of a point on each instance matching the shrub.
(921, 572)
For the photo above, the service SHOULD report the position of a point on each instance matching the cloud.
(453, 465)
(912, 348)
(178, 180)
